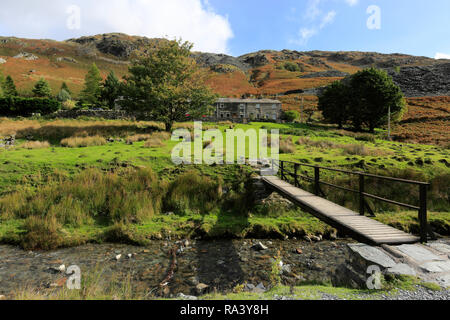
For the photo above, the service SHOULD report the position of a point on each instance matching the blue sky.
(236, 27)
(416, 27)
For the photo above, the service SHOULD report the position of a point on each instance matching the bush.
(291, 115)
(25, 107)
(293, 67)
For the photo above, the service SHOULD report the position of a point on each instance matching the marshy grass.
(191, 191)
(364, 151)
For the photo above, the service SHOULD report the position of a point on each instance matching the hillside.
(283, 74)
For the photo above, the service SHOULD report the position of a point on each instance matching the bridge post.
(316, 180)
(423, 214)
(282, 170)
(295, 173)
(361, 195)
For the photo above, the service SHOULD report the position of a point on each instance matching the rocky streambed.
(167, 269)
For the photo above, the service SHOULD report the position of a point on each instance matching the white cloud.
(304, 34)
(328, 19)
(352, 3)
(440, 55)
(192, 20)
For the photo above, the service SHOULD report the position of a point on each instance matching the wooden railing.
(363, 205)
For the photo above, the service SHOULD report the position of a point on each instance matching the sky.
(236, 27)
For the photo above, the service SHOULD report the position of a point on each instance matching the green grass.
(28, 171)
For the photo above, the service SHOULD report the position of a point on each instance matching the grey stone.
(436, 266)
(441, 247)
(373, 255)
(185, 297)
(402, 269)
(444, 280)
(418, 253)
(259, 247)
(2, 61)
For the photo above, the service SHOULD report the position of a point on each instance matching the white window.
(258, 106)
(274, 106)
(221, 105)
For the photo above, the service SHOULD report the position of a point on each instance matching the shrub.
(291, 115)
(138, 138)
(36, 145)
(154, 142)
(291, 66)
(77, 142)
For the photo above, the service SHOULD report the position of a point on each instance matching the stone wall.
(105, 114)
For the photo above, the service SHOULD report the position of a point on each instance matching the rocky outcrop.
(26, 56)
(424, 80)
(66, 59)
(255, 60)
(212, 60)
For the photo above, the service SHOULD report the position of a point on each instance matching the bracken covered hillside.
(287, 75)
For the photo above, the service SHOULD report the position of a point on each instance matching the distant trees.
(90, 95)
(110, 91)
(42, 89)
(63, 96)
(363, 100)
(65, 87)
(13, 106)
(167, 85)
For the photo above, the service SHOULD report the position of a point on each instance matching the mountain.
(285, 74)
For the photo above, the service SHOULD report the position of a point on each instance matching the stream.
(200, 266)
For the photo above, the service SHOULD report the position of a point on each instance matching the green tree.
(110, 90)
(167, 85)
(90, 95)
(334, 103)
(2, 80)
(373, 92)
(291, 115)
(9, 88)
(363, 100)
(63, 96)
(42, 89)
(64, 86)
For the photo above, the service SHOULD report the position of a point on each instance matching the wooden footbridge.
(356, 225)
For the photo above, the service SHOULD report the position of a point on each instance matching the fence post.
(423, 214)
(316, 181)
(295, 173)
(361, 195)
(282, 169)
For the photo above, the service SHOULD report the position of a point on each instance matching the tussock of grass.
(35, 145)
(82, 142)
(287, 146)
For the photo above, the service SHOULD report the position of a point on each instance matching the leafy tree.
(167, 85)
(293, 67)
(90, 95)
(110, 90)
(9, 88)
(42, 89)
(363, 99)
(64, 86)
(334, 103)
(373, 92)
(63, 96)
(291, 115)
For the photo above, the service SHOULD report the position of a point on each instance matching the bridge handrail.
(423, 219)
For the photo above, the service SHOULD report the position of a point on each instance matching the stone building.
(248, 109)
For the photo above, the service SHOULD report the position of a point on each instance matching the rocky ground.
(201, 266)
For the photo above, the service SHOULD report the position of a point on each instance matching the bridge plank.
(359, 227)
